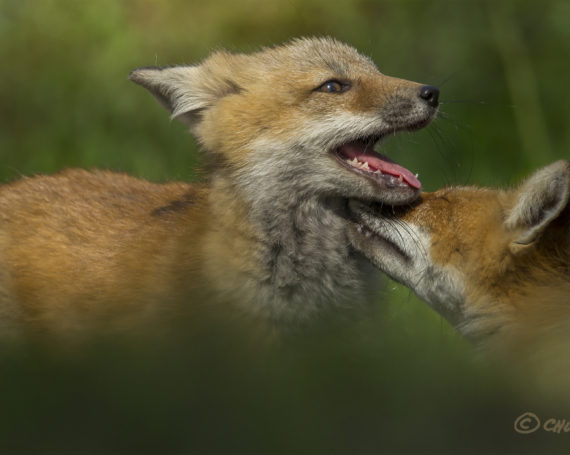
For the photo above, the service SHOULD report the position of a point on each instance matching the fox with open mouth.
(290, 133)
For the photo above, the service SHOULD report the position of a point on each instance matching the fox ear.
(175, 87)
(184, 90)
(538, 201)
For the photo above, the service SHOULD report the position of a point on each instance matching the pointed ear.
(538, 201)
(176, 88)
(186, 90)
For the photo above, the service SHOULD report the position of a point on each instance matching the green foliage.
(400, 382)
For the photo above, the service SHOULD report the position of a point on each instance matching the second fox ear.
(538, 201)
(184, 90)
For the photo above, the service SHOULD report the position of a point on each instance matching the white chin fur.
(442, 286)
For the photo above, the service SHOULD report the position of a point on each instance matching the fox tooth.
(401, 179)
(365, 166)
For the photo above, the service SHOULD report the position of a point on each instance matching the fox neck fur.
(303, 262)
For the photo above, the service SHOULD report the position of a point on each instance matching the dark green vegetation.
(396, 381)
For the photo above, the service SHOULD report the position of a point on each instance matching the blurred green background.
(396, 381)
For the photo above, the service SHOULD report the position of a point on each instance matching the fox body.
(495, 263)
(289, 132)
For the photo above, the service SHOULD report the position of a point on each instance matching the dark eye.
(333, 87)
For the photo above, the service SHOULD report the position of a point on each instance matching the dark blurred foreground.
(358, 386)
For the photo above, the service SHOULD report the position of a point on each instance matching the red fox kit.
(495, 263)
(290, 131)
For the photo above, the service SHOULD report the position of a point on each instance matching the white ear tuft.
(185, 90)
(178, 88)
(539, 200)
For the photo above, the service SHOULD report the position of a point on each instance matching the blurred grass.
(400, 381)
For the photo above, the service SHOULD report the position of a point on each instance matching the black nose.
(430, 94)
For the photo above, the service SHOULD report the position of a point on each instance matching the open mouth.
(374, 229)
(382, 244)
(359, 157)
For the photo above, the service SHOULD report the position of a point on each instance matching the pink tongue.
(376, 161)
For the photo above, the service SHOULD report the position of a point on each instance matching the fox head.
(491, 261)
(309, 111)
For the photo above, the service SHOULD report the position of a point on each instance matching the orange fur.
(77, 240)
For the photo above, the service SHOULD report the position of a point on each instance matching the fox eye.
(333, 86)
